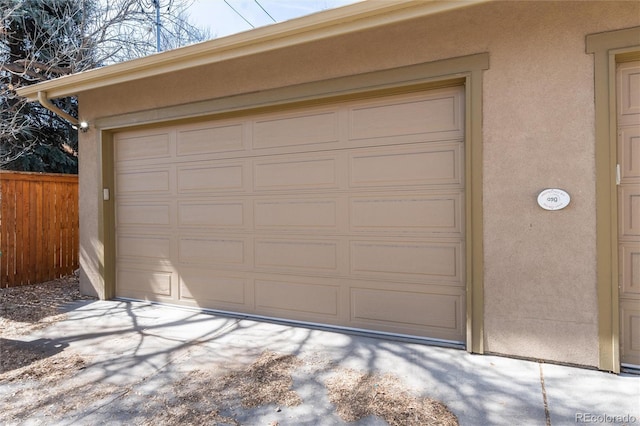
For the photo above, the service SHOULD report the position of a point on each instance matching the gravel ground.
(44, 375)
(28, 308)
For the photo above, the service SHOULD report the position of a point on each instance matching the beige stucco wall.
(538, 129)
(89, 191)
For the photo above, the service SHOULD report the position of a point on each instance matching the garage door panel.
(156, 181)
(630, 270)
(143, 247)
(297, 254)
(437, 314)
(214, 288)
(211, 138)
(420, 165)
(218, 214)
(223, 251)
(429, 261)
(629, 156)
(296, 172)
(142, 146)
(150, 284)
(150, 213)
(415, 213)
(628, 98)
(630, 331)
(629, 202)
(286, 214)
(297, 297)
(408, 116)
(213, 177)
(313, 127)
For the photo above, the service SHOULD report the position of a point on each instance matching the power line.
(265, 11)
(239, 14)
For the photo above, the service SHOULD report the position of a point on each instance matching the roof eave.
(331, 23)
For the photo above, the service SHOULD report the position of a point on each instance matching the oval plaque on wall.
(553, 199)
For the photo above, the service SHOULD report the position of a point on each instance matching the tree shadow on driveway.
(136, 352)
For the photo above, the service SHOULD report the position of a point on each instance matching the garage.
(347, 213)
(376, 167)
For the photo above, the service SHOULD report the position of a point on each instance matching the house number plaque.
(553, 199)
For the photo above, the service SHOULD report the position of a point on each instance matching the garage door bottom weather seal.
(630, 369)
(405, 338)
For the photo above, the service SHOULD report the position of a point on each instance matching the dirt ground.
(45, 372)
(28, 308)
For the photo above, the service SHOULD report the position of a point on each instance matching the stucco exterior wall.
(88, 192)
(538, 129)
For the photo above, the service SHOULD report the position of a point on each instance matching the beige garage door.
(348, 214)
(629, 210)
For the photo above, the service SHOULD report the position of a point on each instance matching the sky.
(220, 18)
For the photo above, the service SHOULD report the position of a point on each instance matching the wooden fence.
(38, 227)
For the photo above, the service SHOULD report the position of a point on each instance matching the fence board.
(62, 216)
(19, 232)
(75, 226)
(31, 227)
(49, 250)
(38, 227)
(11, 234)
(4, 233)
(52, 232)
(9, 223)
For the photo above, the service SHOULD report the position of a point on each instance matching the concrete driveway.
(136, 350)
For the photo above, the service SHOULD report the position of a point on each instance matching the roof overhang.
(321, 25)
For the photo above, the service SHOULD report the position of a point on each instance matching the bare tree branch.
(45, 39)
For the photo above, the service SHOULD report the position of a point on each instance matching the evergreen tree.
(39, 40)
(45, 39)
